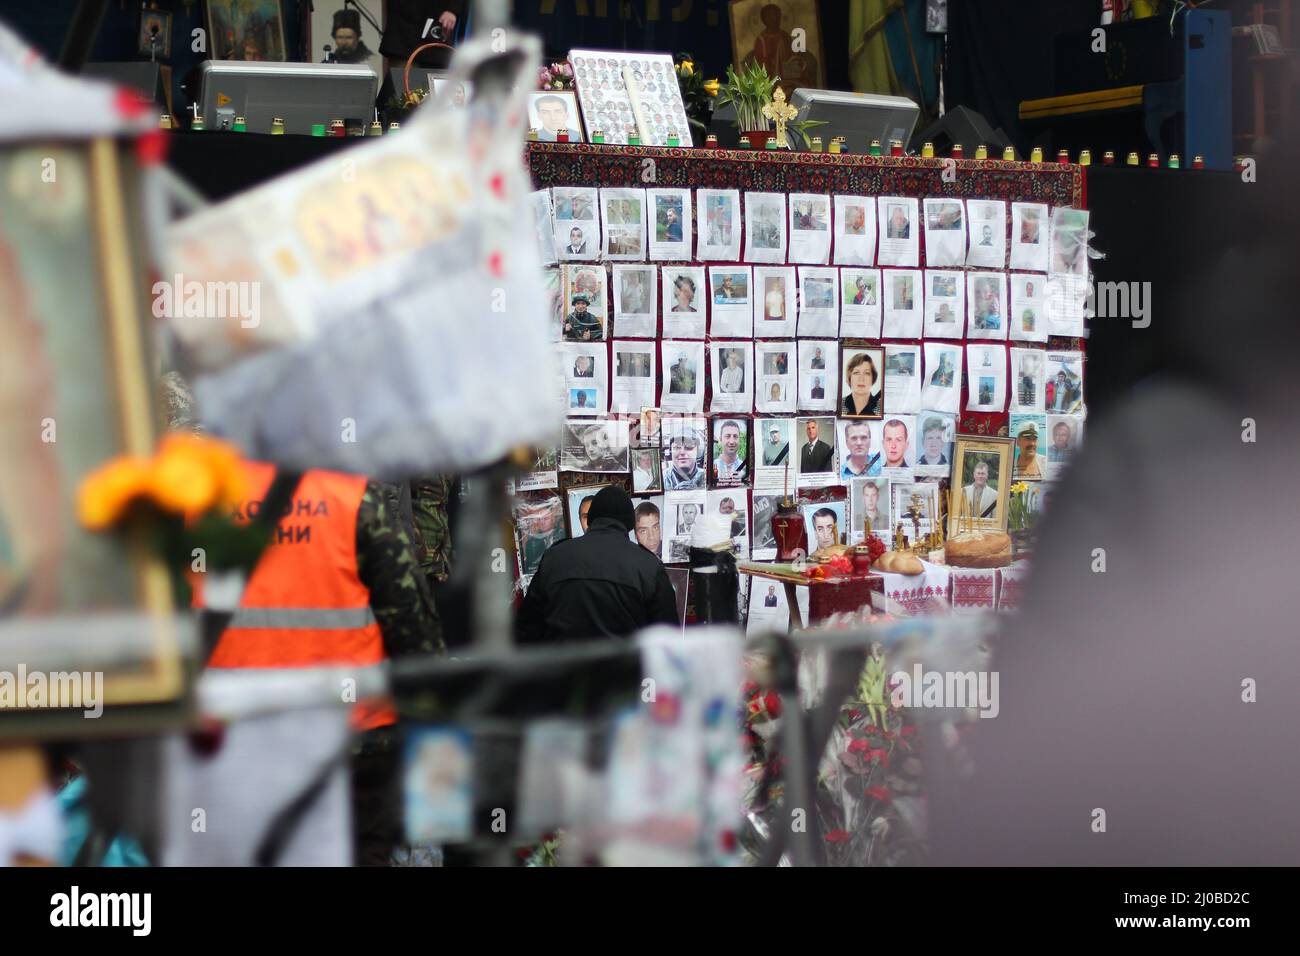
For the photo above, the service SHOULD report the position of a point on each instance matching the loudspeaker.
(965, 126)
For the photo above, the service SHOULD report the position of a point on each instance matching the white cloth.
(917, 595)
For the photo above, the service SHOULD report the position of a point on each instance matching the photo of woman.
(862, 384)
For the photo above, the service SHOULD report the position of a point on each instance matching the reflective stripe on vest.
(294, 618)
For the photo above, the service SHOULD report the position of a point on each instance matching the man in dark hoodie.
(601, 584)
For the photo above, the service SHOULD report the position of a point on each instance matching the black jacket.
(598, 585)
(404, 30)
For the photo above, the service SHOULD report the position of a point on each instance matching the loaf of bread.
(898, 562)
(978, 549)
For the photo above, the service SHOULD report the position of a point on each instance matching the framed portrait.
(539, 523)
(862, 383)
(156, 34)
(646, 473)
(982, 480)
(76, 358)
(579, 500)
(458, 92)
(246, 30)
(762, 32)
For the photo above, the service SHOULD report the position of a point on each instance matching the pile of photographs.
(715, 348)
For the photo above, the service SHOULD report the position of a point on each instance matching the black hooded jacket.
(599, 585)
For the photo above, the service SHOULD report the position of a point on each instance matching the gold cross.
(782, 112)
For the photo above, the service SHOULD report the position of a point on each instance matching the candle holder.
(788, 529)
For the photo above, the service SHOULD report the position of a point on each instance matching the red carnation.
(728, 840)
(838, 836)
(879, 793)
(870, 729)
(773, 702)
(859, 745)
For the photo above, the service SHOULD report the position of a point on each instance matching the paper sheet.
(855, 230)
(765, 227)
(860, 306)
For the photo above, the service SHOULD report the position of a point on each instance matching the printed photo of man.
(815, 455)
(776, 448)
(825, 533)
(648, 532)
(895, 441)
(729, 468)
(932, 443)
(860, 461)
(981, 495)
(1062, 443)
(685, 472)
(553, 115)
(871, 507)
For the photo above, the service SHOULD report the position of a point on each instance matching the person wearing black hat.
(602, 584)
(348, 45)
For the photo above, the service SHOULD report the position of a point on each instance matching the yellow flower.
(711, 87)
(106, 492)
(686, 67)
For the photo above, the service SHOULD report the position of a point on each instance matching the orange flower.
(106, 492)
(192, 474)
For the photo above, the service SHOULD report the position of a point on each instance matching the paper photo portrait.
(810, 228)
(586, 378)
(622, 215)
(986, 243)
(1064, 387)
(731, 306)
(772, 453)
(868, 501)
(671, 215)
(914, 515)
(862, 382)
(733, 506)
(763, 540)
(1028, 370)
(634, 376)
(542, 222)
(897, 446)
(685, 445)
(539, 523)
(732, 366)
(818, 362)
(986, 378)
(1029, 432)
(636, 301)
(1029, 228)
(1028, 298)
(855, 230)
(1064, 435)
(579, 506)
(815, 451)
(859, 447)
(904, 303)
(769, 609)
(576, 211)
(683, 376)
(648, 523)
(986, 296)
(860, 306)
(945, 304)
(584, 303)
(549, 112)
(936, 432)
(775, 298)
(945, 232)
(1066, 304)
(682, 509)
(647, 475)
(648, 427)
(729, 461)
(825, 524)
(902, 378)
(1069, 242)
(900, 231)
(941, 383)
(558, 307)
(819, 301)
(765, 227)
(685, 302)
(719, 217)
(595, 446)
(774, 389)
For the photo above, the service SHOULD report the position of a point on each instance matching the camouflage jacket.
(388, 567)
(429, 500)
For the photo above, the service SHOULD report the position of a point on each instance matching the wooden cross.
(781, 112)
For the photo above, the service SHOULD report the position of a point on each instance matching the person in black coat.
(601, 584)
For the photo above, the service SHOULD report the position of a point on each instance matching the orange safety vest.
(304, 604)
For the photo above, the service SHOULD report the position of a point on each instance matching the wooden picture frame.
(246, 30)
(74, 601)
(574, 115)
(754, 39)
(970, 510)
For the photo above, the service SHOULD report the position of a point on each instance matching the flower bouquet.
(557, 76)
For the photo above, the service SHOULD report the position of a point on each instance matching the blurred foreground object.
(91, 617)
(366, 313)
